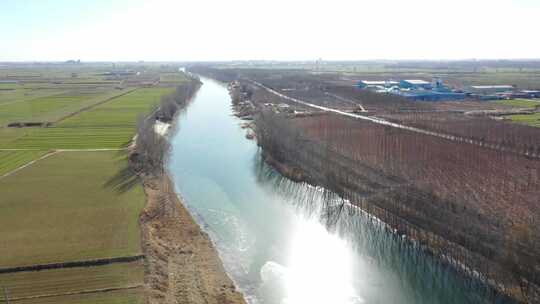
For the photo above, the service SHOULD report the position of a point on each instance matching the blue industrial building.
(415, 84)
(531, 93)
(413, 89)
(428, 95)
(368, 84)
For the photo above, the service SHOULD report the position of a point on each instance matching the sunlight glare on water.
(310, 278)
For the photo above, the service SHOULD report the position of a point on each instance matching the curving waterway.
(282, 242)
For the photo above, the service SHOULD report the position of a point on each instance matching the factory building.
(490, 89)
(429, 95)
(376, 84)
(415, 84)
(531, 93)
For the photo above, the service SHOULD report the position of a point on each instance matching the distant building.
(531, 93)
(414, 89)
(429, 95)
(490, 89)
(366, 84)
(415, 84)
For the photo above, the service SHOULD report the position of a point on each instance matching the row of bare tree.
(151, 149)
(476, 205)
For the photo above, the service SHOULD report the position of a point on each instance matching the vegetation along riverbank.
(182, 266)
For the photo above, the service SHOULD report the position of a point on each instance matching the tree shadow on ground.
(124, 180)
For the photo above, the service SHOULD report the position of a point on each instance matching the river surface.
(271, 234)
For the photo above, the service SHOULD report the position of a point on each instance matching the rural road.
(396, 125)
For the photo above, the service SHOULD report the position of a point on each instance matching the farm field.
(21, 94)
(520, 103)
(72, 280)
(121, 112)
(51, 218)
(530, 120)
(11, 160)
(130, 296)
(51, 108)
(108, 125)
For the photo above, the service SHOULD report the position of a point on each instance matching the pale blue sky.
(278, 29)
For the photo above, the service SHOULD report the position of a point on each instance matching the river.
(269, 231)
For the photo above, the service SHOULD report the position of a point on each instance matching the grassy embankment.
(58, 209)
(527, 119)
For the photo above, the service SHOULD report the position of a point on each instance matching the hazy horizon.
(279, 31)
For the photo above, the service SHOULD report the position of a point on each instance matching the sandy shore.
(182, 265)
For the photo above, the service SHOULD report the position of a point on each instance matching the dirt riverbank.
(182, 265)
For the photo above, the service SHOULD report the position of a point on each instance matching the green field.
(8, 135)
(73, 138)
(22, 94)
(114, 297)
(70, 280)
(11, 160)
(520, 103)
(530, 119)
(121, 112)
(59, 210)
(526, 119)
(108, 125)
(52, 107)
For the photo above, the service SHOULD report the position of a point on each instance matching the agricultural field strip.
(69, 150)
(73, 264)
(392, 124)
(100, 290)
(72, 281)
(51, 153)
(78, 237)
(127, 296)
(45, 107)
(33, 97)
(15, 149)
(520, 103)
(27, 164)
(530, 120)
(94, 105)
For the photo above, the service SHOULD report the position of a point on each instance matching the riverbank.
(182, 265)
